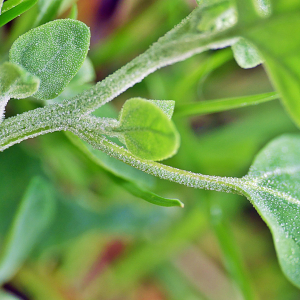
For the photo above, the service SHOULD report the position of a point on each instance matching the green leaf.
(55, 61)
(167, 106)
(15, 82)
(245, 54)
(14, 8)
(273, 187)
(147, 130)
(48, 9)
(281, 56)
(32, 218)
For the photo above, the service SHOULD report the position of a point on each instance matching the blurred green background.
(105, 243)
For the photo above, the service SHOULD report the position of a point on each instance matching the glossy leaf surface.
(147, 130)
(55, 61)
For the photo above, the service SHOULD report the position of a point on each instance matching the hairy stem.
(98, 141)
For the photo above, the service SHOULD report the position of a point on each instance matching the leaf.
(147, 130)
(48, 9)
(273, 187)
(14, 8)
(245, 54)
(167, 106)
(1, 4)
(54, 60)
(32, 218)
(281, 55)
(15, 82)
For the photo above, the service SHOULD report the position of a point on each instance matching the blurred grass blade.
(1, 4)
(9, 12)
(33, 216)
(97, 157)
(48, 9)
(73, 12)
(232, 259)
(219, 105)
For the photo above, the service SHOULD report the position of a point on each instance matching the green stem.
(177, 45)
(190, 179)
(219, 105)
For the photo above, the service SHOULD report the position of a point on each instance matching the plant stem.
(190, 179)
(219, 105)
(177, 45)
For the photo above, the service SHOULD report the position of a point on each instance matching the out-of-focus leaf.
(281, 52)
(73, 12)
(15, 82)
(273, 187)
(48, 9)
(245, 54)
(32, 218)
(11, 11)
(147, 130)
(55, 61)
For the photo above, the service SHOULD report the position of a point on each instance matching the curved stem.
(182, 42)
(196, 180)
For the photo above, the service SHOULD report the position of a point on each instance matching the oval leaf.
(273, 186)
(54, 52)
(147, 131)
(245, 54)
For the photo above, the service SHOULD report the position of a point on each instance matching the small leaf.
(245, 54)
(54, 60)
(16, 82)
(147, 130)
(31, 220)
(273, 186)
(12, 9)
